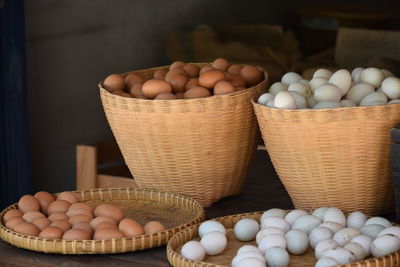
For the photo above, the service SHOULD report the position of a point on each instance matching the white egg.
(318, 234)
(326, 104)
(254, 262)
(214, 242)
(364, 241)
(345, 235)
(372, 76)
(341, 255)
(250, 254)
(372, 98)
(248, 248)
(277, 222)
(284, 100)
(358, 92)
(271, 104)
(320, 212)
(300, 101)
(391, 87)
(304, 81)
(355, 74)
(291, 77)
(277, 87)
(327, 92)
(311, 101)
(268, 231)
(293, 215)
(306, 223)
(299, 88)
(326, 262)
(392, 230)
(265, 98)
(296, 242)
(277, 257)
(211, 226)
(272, 240)
(324, 245)
(356, 219)
(347, 103)
(317, 82)
(335, 215)
(274, 212)
(384, 245)
(333, 226)
(371, 230)
(342, 79)
(357, 250)
(394, 101)
(246, 229)
(193, 250)
(323, 73)
(386, 73)
(378, 220)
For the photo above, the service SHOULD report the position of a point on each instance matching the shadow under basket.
(333, 157)
(198, 147)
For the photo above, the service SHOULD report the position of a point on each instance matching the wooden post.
(86, 167)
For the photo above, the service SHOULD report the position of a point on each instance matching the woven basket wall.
(198, 147)
(333, 157)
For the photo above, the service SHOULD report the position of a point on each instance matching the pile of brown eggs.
(64, 217)
(186, 81)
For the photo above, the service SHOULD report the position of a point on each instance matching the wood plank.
(105, 181)
(86, 167)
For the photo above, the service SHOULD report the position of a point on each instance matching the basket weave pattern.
(332, 157)
(198, 147)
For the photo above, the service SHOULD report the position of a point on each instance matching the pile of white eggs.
(361, 87)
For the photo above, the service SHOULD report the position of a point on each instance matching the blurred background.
(54, 52)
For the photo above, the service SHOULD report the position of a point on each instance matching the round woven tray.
(174, 211)
(224, 259)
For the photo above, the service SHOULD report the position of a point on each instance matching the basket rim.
(200, 215)
(173, 254)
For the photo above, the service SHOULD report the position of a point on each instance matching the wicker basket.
(333, 157)
(198, 147)
(224, 259)
(175, 211)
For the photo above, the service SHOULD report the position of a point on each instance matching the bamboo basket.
(224, 259)
(333, 157)
(198, 147)
(175, 211)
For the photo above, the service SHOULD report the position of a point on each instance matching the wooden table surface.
(262, 191)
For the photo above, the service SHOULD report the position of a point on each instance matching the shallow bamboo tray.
(225, 258)
(175, 211)
(198, 147)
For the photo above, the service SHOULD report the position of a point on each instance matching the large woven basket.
(198, 147)
(332, 157)
(224, 259)
(174, 211)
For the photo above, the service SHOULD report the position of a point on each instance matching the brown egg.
(151, 88)
(76, 234)
(109, 210)
(96, 221)
(192, 70)
(107, 233)
(114, 82)
(208, 79)
(240, 88)
(12, 214)
(153, 227)
(237, 80)
(105, 225)
(141, 97)
(177, 64)
(169, 77)
(196, 92)
(132, 79)
(56, 216)
(62, 224)
(130, 227)
(235, 69)
(81, 206)
(68, 196)
(41, 222)
(205, 69)
(220, 64)
(179, 83)
(165, 96)
(13, 222)
(31, 215)
(136, 89)
(45, 198)
(121, 93)
(159, 74)
(223, 87)
(83, 226)
(72, 212)
(251, 74)
(179, 95)
(51, 232)
(60, 206)
(80, 218)
(28, 203)
(194, 82)
(26, 228)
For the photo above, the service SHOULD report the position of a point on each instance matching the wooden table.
(262, 191)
